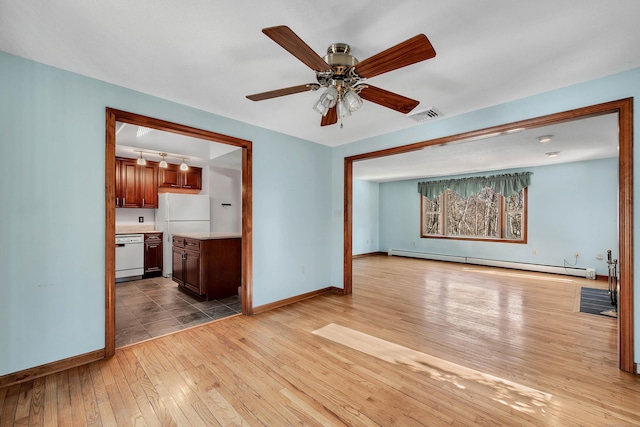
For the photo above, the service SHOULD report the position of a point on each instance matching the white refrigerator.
(180, 213)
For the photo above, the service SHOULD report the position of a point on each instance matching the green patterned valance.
(507, 185)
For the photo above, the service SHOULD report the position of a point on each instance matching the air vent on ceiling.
(424, 115)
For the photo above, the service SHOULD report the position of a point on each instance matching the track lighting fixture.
(163, 163)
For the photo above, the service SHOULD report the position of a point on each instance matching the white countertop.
(136, 229)
(210, 235)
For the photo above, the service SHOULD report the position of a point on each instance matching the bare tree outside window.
(486, 215)
(431, 216)
(514, 208)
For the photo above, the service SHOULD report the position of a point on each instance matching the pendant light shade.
(163, 163)
(184, 166)
(141, 161)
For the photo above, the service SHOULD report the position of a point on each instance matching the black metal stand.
(613, 285)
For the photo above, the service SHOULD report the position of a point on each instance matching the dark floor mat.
(595, 301)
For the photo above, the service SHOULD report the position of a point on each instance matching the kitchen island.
(207, 264)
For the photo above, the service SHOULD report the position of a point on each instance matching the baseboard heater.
(571, 271)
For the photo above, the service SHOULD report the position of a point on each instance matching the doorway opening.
(114, 117)
(624, 111)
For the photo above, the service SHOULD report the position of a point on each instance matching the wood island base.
(207, 265)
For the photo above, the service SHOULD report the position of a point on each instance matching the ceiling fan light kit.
(343, 75)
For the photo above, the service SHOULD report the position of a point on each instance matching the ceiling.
(211, 54)
(194, 151)
(578, 140)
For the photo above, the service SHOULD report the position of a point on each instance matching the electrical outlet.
(140, 219)
(599, 257)
(576, 254)
(535, 252)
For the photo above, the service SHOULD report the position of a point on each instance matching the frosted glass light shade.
(353, 100)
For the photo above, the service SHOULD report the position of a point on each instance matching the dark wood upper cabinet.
(172, 177)
(136, 185)
(169, 177)
(126, 184)
(148, 176)
(192, 178)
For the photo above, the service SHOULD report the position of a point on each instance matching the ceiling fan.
(344, 76)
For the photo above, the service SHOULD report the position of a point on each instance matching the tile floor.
(149, 308)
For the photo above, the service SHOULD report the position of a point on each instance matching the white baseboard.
(571, 271)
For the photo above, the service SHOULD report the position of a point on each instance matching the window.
(485, 215)
(480, 213)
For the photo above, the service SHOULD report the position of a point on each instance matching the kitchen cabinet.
(152, 254)
(126, 184)
(177, 273)
(148, 189)
(208, 266)
(192, 178)
(186, 266)
(172, 178)
(136, 185)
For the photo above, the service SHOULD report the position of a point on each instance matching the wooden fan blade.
(388, 99)
(330, 118)
(295, 46)
(282, 92)
(416, 49)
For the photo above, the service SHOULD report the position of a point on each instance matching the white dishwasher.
(129, 255)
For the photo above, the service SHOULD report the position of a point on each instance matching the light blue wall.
(610, 88)
(52, 134)
(52, 139)
(366, 214)
(573, 207)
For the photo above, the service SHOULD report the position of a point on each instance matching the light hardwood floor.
(418, 343)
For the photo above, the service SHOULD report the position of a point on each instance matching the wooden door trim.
(624, 109)
(113, 116)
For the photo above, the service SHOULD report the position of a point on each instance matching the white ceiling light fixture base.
(545, 139)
